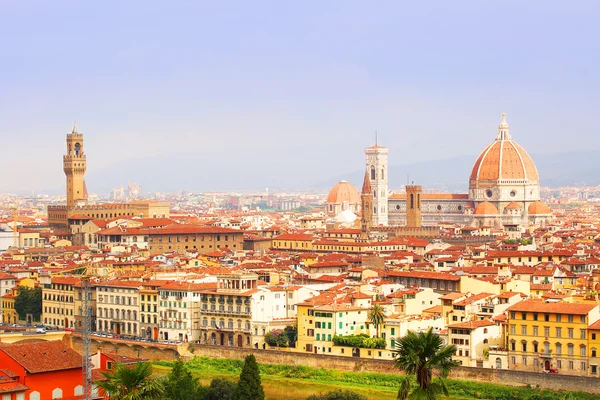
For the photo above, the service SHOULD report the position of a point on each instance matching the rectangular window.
(535, 331)
(524, 330)
(523, 315)
(547, 331)
(570, 333)
(558, 317)
(582, 333)
(558, 332)
(513, 329)
(570, 317)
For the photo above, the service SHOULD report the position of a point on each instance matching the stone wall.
(497, 376)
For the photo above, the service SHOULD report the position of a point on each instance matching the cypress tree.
(249, 386)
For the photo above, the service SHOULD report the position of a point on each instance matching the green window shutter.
(329, 325)
(318, 336)
(393, 331)
(341, 325)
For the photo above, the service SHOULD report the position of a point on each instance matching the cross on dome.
(503, 132)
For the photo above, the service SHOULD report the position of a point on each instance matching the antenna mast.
(85, 338)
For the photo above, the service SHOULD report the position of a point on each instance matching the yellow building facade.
(550, 336)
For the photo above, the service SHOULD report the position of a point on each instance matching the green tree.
(276, 337)
(420, 354)
(376, 317)
(29, 302)
(179, 384)
(131, 383)
(291, 332)
(249, 386)
(337, 395)
(220, 389)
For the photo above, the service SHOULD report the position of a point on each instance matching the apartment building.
(179, 311)
(117, 307)
(149, 313)
(182, 238)
(227, 310)
(471, 338)
(550, 336)
(58, 302)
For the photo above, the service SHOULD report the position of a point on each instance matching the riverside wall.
(497, 376)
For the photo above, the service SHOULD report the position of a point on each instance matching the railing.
(223, 312)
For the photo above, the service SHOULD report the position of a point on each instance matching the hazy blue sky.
(272, 90)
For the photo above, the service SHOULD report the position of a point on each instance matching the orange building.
(43, 370)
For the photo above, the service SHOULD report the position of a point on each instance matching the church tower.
(366, 199)
(377, 157)
(74, 165)
(413, 206)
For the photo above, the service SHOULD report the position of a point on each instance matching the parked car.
(40, 330)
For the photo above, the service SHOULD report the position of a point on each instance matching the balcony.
(223, 312)
(546, 354)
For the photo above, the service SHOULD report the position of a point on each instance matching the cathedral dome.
(504, 160)
(539, 207)
(513, 205)
(343, 191)
(486, 208)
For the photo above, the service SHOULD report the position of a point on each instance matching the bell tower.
(413, 206)
(366, 199)
(74, 165)
(376, 158)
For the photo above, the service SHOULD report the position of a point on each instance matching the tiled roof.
(472, 324)
(43, 356)
(535, 305)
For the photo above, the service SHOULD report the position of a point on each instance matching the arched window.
(412, 201)
(78, 390)
(77, 154)
(498, 363)
(485, 330)
(34, 395)
(57, 393)
(373, 173)
(382, 173)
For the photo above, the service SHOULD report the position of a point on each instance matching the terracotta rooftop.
(535, 305)
(43, 356)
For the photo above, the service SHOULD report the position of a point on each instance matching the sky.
(286, 91)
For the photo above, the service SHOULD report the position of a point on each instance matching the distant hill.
(205, 172)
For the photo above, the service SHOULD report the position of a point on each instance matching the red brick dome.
(539, 207)
(513, 205)
(486, 208)
(343, 191)
(504, 159)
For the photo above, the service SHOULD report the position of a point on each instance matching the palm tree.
(421, 354)
(376, 317)
(130, 383)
